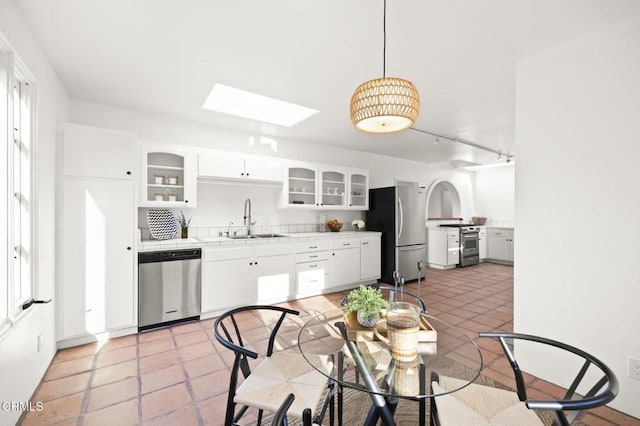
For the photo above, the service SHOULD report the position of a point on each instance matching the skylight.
(241, 103)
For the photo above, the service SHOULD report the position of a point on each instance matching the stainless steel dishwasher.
(168, 287)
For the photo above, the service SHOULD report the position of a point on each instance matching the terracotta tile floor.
(179, 375)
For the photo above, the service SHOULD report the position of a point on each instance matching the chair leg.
(259, 417)
(340, 389)
(422, 412)
(306, 417)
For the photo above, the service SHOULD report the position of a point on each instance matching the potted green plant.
(367, 302)
(184, 225)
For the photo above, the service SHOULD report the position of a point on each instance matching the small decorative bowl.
(478, 220)
(335, 227)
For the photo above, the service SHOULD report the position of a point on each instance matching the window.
(16, 125)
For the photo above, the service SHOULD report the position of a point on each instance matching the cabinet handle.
(314, 256)
(346, 244)
(350, 205)
(129, 172)
(313, 247)
(128, 247)
(313, 266)
(333, 254)
(247, 174)
(250, 263)
(364, 243)
(186, 201)
(255, 263)
(242, 174)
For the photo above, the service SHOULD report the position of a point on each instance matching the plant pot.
(368, 322)
(185, 233)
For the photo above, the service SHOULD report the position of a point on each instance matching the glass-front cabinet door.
(168, 178)
(358, 190)
(333, 187)
(301, 187)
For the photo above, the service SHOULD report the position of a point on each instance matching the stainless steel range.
(469, 243)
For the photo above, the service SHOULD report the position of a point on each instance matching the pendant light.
(387, 104)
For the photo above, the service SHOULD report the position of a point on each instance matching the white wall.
(494, 194)
(577, 277)
(383, 170)
(21, 366)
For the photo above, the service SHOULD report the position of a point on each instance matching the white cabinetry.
(168, 177)
(344, 262)
(96, 219)
(482, 244)
(312, 267)
(94, 152)
(443, 247)
(370, 258)
(500, 244)
(236, 276)
(237, 167)
(358, 190)
(325, 187)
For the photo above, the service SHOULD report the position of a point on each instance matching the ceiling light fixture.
(387, 104)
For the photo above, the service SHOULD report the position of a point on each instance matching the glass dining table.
(363, 361)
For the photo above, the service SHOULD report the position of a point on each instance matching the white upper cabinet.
(311, 186)
(333, 188)
(168, 177)
(301, 186)
(95, 152)
(238, 167)
(358, 190)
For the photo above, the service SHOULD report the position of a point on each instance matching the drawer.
(312, 257)
(228, 253)
(340, 243)
(500, 233)
(273, 250)
(452, 234)
(311, 277)
(312, 246)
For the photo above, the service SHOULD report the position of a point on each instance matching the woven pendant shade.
(385, 105)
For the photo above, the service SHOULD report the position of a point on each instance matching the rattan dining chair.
(280, 418)
(269, 380)
(482, 405)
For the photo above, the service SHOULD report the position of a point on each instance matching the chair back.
(396, 293)
(603, 391)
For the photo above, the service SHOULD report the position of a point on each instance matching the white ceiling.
(164, 56)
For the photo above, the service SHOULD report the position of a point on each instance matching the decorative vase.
(185, 233)
(367, 322)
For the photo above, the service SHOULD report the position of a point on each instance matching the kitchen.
(550, 195)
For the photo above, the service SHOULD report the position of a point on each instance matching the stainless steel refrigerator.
(399, 212)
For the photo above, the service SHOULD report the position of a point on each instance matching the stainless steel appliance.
(399, 212)
(168, 287)
(469, 243)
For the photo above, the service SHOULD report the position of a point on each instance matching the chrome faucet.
(247, 215)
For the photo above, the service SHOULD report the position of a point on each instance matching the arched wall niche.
(443, 200)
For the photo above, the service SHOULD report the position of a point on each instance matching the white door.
(263, 169)
(221, 165)
(344, 266)
(94, 152)
(370, 258)
(274, 277)
(227, 283)
(97, 262)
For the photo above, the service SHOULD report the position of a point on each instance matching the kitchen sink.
(246, 237)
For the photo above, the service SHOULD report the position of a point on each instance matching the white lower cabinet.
(482, 244)
(443, 247)
(344, 262)
(237, 276)
(370, 258)
(500, 244)
(96, 278)
(312, 267)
